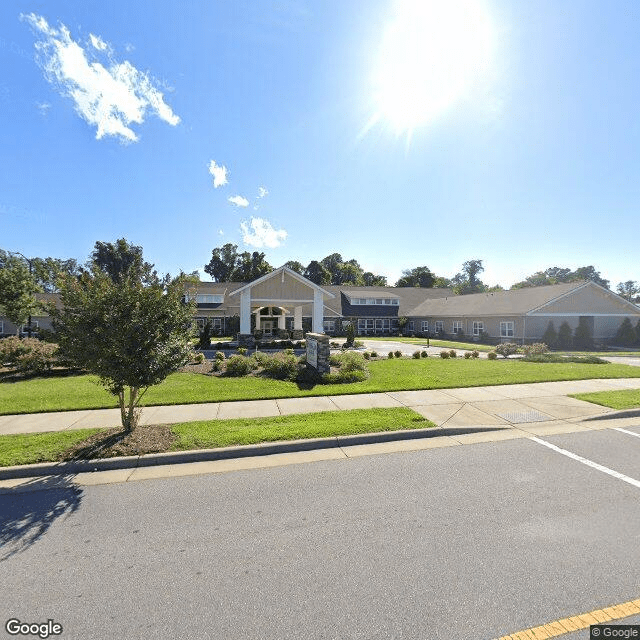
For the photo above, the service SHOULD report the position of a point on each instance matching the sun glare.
(431, 53)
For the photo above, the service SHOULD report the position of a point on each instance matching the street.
(465, 542)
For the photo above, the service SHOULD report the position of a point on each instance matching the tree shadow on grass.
(27, 512)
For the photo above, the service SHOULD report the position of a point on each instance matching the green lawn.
(627, 399)
(82, 392)
(447, 344)
(31, 448)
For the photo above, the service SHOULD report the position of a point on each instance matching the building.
(284, 301)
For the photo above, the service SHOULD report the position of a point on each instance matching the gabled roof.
(504, 303)
(290, 272)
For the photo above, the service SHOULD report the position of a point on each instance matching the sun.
(431, 53)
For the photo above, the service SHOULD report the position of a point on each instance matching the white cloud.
(221, 232)
(259, 233)
(43, 107)
(262, 192)
(239, 201)
(97, 42)
(219, 174)
(110, 97)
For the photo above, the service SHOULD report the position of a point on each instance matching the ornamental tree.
(129, 334)
(17, 291)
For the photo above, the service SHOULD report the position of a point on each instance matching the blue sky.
(400, 134)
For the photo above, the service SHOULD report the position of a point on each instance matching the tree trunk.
(129, 412)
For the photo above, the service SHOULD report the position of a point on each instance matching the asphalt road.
(463, 543)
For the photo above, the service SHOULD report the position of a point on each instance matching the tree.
(550, 337)
(557, 275)
(130, 333)
(318, 273)
(467, 280)
(583, 336)
(47, 271)
(17, 291)
(227, 265)
(564, 336)
(296, 266)
(417, 277)
(626, 334)
(121, 260)
(629, 290)
(372, 280)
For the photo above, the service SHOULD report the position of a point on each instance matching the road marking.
(631, 433)
(576, 623)
(589, 463)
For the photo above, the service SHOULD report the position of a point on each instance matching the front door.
(267, 327)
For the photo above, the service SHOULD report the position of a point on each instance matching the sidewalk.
(541, 406)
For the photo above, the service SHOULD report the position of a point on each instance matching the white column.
(297, 318)
(258, 325)
(282, 320)
(245, 311)
(318, 312)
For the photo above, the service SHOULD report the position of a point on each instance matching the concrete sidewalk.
(544, 407)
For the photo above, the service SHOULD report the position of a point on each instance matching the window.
(216, 323)
(411, 325)
(506, 329)
(34, 327)
(425, 326)
(202, 298)
(1, 327)
(478, 328)
(376, 301)
(383, 324)
(439, 326)
(457, 326)
(329, 325)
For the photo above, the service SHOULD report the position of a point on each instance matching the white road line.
(589, 463)
(631, 433)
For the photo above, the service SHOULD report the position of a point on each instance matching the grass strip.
(31, 448)
(83, 392)
(447, 344)
(224, 433)
(627, 399)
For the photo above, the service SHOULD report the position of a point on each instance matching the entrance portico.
(282, 293)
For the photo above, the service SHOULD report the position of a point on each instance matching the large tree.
(121, 259)
(227, 265)
(318, 273)
(372, 280)
(417, 277)
(629, 290)
(467, 281)
(296, 266)
(17, 291)
(131, 331)
(557, 275)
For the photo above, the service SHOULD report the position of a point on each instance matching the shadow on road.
(25, 516)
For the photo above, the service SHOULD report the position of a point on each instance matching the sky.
(399, 133)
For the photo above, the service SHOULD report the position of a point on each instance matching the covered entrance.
(278, 295)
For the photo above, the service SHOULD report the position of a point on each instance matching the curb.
(227, 453)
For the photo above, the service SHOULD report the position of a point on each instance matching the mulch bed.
(116, 442)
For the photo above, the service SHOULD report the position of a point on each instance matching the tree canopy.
(558, 275)
(17, 291)
(120, 260)
(417, 277)
(227, 265)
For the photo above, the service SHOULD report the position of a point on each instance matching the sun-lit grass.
(83, 392)
(31, 448)
(433, 342)
(627, 399)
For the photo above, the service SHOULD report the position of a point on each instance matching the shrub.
(11, 348)
(535, 349)
(475, 353)
(467, 355)
(492, 355)
(424, 354)
(350, 335)
(39, 357)
(198, 358)
(242, 351)
(204, 336)
(626, 334)
(564, 336)
(342, 377)
(366, 355)
(219, 355)
(583, 337)
(280, 366)
(398, 354)
(261, 357)
(506, 349)
(352, 361)
(334, 345)
(238, 366)
(453, 353)
(550, 336)
(390, 355)
(444, 354)
(374, 354)
(416, 355)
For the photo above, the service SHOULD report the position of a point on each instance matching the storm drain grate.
(525, 416)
